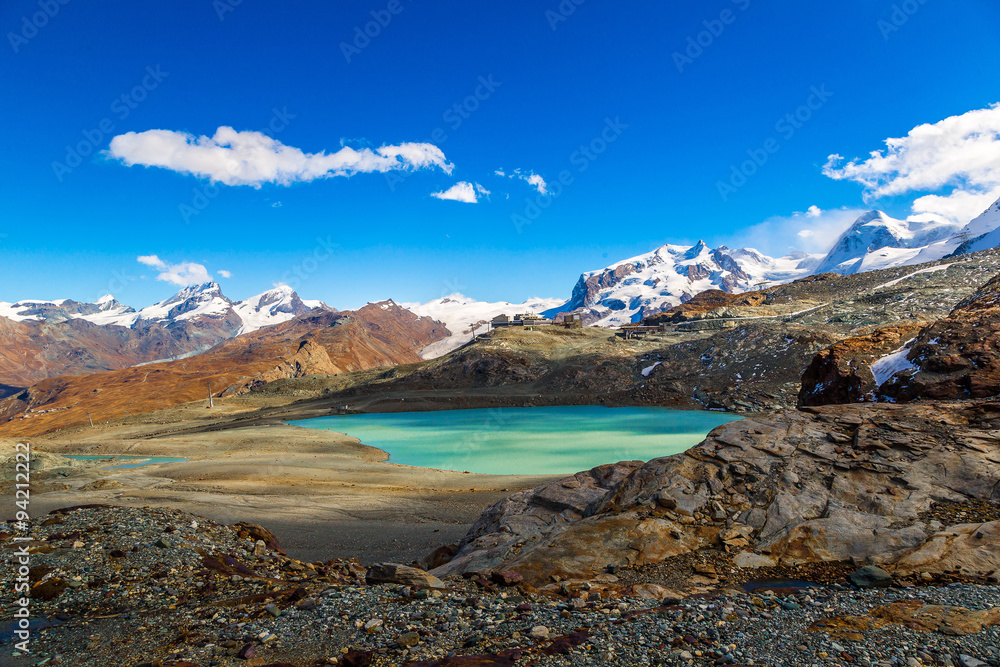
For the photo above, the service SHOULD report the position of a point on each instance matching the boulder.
(972, 549)
(394, 573)
(870, 576)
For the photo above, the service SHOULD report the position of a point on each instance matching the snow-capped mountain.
(191, 304)
(460, 314)
(30, 310)
(983, 232)
(273, 307)
(878, 241)
(657, 281)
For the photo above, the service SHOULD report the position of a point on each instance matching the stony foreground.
(131, 586)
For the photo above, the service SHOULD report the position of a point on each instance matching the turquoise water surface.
(526, 441)
(146, 460)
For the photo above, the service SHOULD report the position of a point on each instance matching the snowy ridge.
(459, 314)
(189, 304)
(272, 307)
(984, 231)
(878, 241)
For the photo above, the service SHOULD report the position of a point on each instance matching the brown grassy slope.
(376, 335)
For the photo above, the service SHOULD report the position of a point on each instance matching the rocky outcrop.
(310, 359)
(705, 303)
(956, 357)
(842, 373)
(836, 483)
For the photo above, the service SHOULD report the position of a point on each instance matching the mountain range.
(44, 339)
(637, 288)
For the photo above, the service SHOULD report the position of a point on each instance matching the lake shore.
(325, 495)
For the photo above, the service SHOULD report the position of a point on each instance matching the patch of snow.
(933, 269)
(649, 369)
(896, 362)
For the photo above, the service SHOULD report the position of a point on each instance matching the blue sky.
(663, 130)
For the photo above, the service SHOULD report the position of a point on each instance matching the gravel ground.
(131, 586)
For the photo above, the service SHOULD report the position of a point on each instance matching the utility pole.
(91, 420)
(211, 404)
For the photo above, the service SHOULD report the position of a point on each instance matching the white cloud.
(253, 158)
(960, 153)
(462, 191)
(812, 231)
(225, 274)
(959, 206)
(530, 177)
(151, 260)
(182, 274)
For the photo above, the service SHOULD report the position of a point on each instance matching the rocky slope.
(44, 339)
(956, 357)
(952, 358)
(382, 334)
(827, 484)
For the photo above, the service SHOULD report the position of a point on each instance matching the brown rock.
(48, 589)
(394, 573)
(972, 548)
(913, 614)
(506, 577)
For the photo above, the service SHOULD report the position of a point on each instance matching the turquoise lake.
(526, 441)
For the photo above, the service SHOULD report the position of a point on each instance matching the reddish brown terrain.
(33, 351)
(320, 342)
